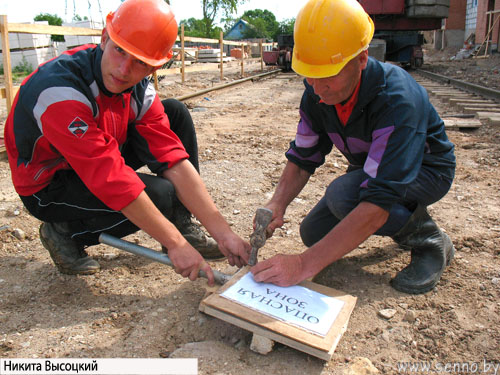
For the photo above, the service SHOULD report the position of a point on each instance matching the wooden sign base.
(277, 330)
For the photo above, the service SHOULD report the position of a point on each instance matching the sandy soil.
(138, 308)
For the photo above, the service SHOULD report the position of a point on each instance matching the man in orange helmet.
(381, 120)
(84, 122)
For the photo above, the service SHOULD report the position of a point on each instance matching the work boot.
(68, 256)
(193, 234)
(431, 251)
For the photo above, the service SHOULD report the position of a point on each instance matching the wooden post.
(261, 48)
(221, 47)
(7, 69)
(183, 68)
(242, 60)
(488, 17)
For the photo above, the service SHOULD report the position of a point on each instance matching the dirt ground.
(137, 308)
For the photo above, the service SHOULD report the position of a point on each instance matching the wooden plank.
(494, 118)
(482, 105)
(183, 56)
(3, 91)
(460, 100)
(3, 153)
(480, 109)
(28, 28)
(221, 48)
(449, 93)
(295, 337)
(455, 122)
(195, 68)
(7, 67)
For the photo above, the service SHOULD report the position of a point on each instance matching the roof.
(238, 29)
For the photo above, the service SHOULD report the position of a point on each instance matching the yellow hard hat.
(327, 35)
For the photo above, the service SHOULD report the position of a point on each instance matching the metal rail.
(198, 93)
(476, 89)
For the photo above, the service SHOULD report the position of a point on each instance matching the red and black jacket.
(64, 118)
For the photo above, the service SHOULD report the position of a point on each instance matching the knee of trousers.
(162, 192)
(308, 233)
(174, 108)
(340, 203)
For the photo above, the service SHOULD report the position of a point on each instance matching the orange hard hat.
(328, 34)
(144, 28)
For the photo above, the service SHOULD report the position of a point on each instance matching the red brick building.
(487, 22)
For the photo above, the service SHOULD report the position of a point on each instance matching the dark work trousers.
(342, 196)
(67, 199)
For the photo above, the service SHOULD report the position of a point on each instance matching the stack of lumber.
(212, 55)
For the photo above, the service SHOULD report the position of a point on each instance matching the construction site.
(245, 113)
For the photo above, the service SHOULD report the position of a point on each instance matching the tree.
(211, 8)
(286, 26)
(263, 22)
(77, 17)
(54, 20)
(195, 27)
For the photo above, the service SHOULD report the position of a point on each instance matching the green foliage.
(23, 67)
(54, 20)
(211, 8)
(264, 25)
(77, 17)
(196, 28)
(286, 26)
(21, 70)
(263, 22)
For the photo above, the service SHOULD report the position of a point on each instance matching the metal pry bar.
(220, 278)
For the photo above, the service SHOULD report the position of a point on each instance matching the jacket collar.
(372, 82)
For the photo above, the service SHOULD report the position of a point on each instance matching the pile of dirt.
(483, 71)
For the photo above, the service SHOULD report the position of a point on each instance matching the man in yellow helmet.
(381, 120)
(80, 127)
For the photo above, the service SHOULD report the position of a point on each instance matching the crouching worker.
(84, 122)
(381, 120)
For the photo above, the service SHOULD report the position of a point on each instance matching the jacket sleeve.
(71, 129)
(311, 145)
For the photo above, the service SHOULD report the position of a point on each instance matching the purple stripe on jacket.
(305, 125)
(316, 157)
(306, 141)
(377, 149)
(337, 141)
(358, 146)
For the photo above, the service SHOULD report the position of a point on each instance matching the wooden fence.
(9, 91)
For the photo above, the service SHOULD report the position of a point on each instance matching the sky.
(18, 11)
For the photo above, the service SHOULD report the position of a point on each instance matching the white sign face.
(295, 305)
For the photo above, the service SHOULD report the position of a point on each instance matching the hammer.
(258, 238)
(220, 278)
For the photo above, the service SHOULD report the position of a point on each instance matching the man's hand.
(277, 220)
(188, 262)
(235, 249)
(280, 270)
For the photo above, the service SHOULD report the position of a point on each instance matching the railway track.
(464, 105)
